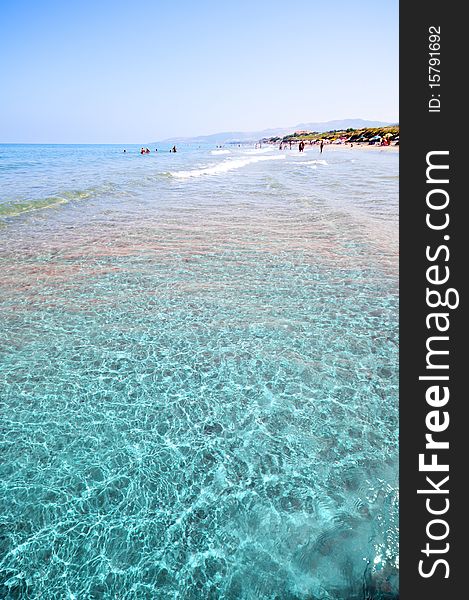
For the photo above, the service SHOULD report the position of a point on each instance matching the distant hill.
(227, 137)
(363, 134)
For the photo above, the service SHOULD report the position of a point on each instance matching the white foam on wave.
(220, 152)
(259, 150)
(223, 167)
(315, 162)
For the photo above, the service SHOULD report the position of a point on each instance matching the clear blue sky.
(140, 70)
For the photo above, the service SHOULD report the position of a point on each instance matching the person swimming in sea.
(173, 149)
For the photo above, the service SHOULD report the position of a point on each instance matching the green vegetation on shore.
(349, 135)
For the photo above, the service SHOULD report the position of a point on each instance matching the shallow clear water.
(198, 373)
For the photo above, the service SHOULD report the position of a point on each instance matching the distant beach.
(351, 147)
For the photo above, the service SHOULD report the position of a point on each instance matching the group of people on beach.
(301, 145)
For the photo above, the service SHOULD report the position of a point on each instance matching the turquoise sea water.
(198, 373)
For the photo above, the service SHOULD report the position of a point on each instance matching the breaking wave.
(225, 166)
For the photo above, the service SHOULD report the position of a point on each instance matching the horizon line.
(188, 137)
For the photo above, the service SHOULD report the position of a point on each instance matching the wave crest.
(226, 165)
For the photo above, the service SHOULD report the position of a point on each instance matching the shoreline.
(334, 147)
(360, 146)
